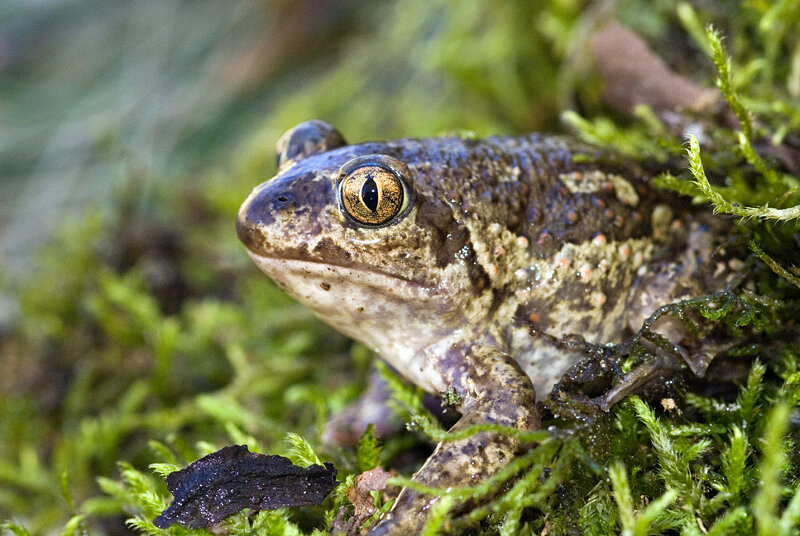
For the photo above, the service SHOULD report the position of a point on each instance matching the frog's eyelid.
(307, 138)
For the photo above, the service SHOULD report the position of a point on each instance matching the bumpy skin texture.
(502, 237)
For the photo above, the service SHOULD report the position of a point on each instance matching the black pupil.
(369, 194)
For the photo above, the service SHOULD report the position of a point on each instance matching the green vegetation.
(145, 338)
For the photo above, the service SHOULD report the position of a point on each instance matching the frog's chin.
(391, 315)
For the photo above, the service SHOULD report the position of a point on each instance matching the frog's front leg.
(493, 389)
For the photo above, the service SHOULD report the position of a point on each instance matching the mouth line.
(318, 266)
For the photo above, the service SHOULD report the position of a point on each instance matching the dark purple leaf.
(233, 478)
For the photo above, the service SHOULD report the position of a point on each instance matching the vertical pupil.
(369, 194)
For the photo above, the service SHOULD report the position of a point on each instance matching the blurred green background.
(130, 132)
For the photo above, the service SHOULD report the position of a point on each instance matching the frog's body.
(498, 247)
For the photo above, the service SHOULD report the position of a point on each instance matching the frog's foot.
(347, 426)
(493, 390)
(670, 358)
(633, 381)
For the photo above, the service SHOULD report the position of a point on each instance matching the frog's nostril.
(284, 199)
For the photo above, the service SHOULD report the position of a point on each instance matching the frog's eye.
(372, 191)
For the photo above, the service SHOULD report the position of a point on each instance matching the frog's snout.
(258, 213)
(250, 215)
(245, 229)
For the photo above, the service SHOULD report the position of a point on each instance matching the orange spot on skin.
(572, 217)
(563, 263)
(585, 272)
(499, 251)
(493, 270)
(619, 221)
(624, 251)
(600, 300)
(609, 213)
(609, 186)
(522, 241)
(533, 317)
(599, 240)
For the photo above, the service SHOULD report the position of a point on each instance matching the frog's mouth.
(316, 282)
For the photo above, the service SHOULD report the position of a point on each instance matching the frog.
(462, 261)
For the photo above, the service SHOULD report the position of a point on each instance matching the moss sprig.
(725, 82)
(636, 524)
(300, 451)
(721, 204)
(368, 450)
(774, 266)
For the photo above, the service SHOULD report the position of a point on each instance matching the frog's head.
(360, 234)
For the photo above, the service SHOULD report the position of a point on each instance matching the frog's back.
(551, 189)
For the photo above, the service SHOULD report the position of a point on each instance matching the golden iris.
(372, 192)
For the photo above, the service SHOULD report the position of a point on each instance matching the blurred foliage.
(143, 334)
